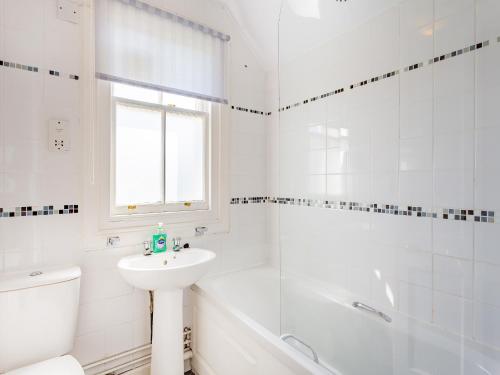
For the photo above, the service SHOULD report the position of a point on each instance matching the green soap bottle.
(159, 240)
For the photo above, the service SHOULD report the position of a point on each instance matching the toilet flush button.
(36, 273)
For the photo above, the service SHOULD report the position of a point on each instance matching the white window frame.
(167, 206)
(215, 215)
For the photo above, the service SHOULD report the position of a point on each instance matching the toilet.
(38, 318)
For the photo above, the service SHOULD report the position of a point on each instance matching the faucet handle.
(147, 248)
(177, 244)
(200, 231)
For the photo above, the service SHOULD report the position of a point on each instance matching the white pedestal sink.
(167, 274)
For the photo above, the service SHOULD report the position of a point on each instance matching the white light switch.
(59, 139)
(68, 11)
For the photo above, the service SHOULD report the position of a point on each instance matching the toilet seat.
(66, 365)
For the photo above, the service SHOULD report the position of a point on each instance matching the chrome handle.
(113, 241)
(177, 244)
(362, 306)
(200, 231)
(147, 248)
(288, 336)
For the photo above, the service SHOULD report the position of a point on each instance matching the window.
(160, 155)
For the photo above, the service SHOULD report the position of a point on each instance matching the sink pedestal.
(167, 274)
(168, 337)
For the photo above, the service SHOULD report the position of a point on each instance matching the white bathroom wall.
(423, 136)
(113, 316)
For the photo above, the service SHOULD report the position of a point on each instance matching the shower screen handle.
(362, 306)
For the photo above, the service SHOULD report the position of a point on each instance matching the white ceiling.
(304, 23)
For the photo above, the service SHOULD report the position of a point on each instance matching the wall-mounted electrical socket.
(59, 139)
(68, 11)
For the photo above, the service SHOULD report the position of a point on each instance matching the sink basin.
(167, 274)
(166, 271)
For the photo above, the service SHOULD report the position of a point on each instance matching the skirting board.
(133, 362)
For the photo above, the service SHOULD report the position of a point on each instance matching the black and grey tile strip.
(459, 52)
(247, 200)
(66, 209)
(13, 65)
(36, 69)
(254, 111)
(414, 67)
(374, 79)
(458, 214)
(405, 69)
(313, 99)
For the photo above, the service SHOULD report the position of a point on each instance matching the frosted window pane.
(138, 156)
(185, 160)
(136, 93)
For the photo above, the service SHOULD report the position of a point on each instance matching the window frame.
(216, 217)
(164, 207)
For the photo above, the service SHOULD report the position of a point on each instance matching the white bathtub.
(237, 323)
(236, 327)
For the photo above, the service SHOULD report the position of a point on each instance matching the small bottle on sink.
(160, 239)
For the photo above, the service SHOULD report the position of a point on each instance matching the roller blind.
(141, 45)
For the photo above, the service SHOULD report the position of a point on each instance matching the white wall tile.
(415, 154)
(444, 8)
(415, 188)
(416, 13)
(416, 45)
(416, 119)
(486, 240)
(453, 313)
(453, 276)
(454, 188)
(487, 13)
(415, 267)
(487, 324)
(453, 238)
(24, 15)
(385, 187)
(23, 46)
(487, 283)
(454, 113)
(25, 122)
(414, 233)
(487, 170)
(416, 85)
(415, 301)
(454, 31)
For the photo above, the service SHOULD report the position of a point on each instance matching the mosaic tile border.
(405, 69)
(36, 69)
(249, 110)
(457, 214)
(66, 209)
(374, 79)
(459, 52)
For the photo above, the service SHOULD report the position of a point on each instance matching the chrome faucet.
(177, 244)
(147, 248)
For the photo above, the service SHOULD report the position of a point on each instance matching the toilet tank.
(38, 315)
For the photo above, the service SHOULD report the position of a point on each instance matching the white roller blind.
(145, 46)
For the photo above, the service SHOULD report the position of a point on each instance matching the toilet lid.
(66, 365)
